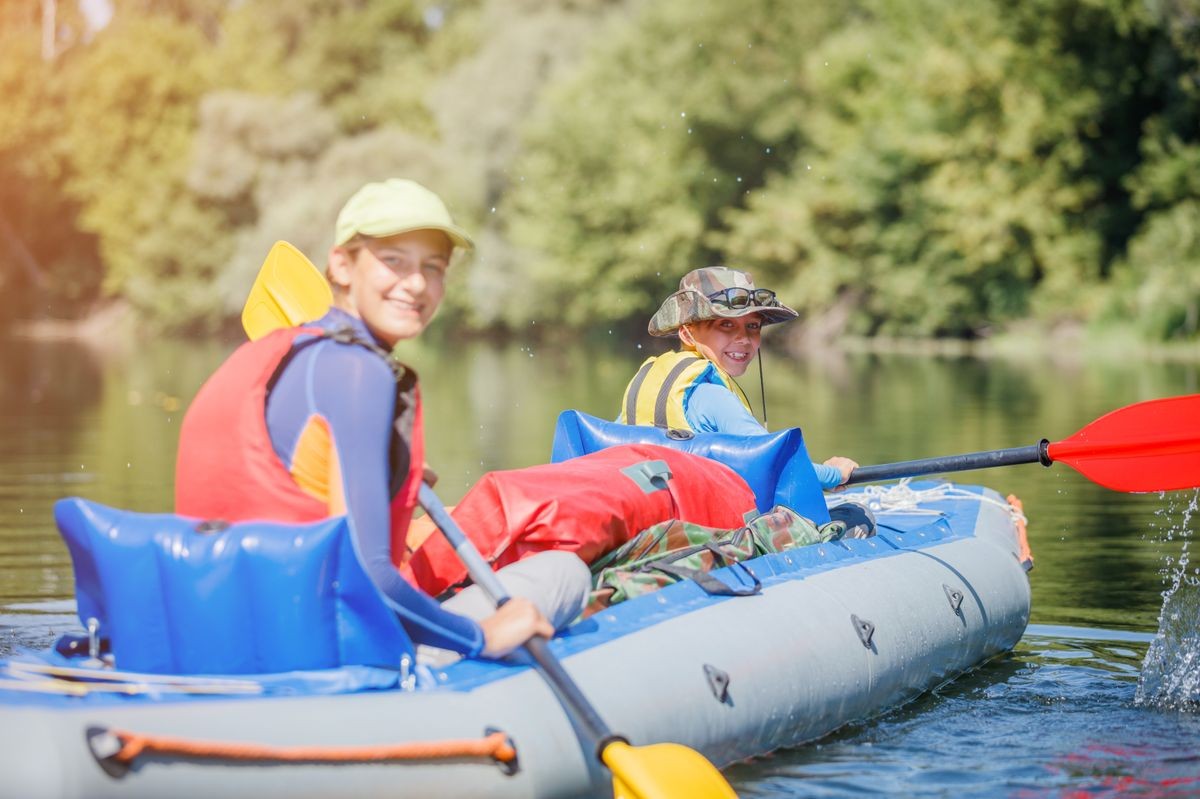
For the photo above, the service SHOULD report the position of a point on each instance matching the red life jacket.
(588, 505)
(227, 467)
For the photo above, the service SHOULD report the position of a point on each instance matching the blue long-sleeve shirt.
(353, 392)
(712, 408)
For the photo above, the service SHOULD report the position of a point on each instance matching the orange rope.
(496, 746)
(1025, 554)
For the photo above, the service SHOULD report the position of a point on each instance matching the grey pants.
(558, 583)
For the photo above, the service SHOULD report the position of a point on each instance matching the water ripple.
(1056, 718)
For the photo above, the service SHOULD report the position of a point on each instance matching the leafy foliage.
(632, 161)
(938, 193)
(49, 263)
(892, 167)
(148, 73)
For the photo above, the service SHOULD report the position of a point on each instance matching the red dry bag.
(588, 505)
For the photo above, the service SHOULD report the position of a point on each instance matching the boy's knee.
(574, 581)
(574, 571)
(570, 562)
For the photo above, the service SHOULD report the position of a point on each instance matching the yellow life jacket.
(655, 395)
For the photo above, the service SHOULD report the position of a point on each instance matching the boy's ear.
(685, 335)
(339, 267)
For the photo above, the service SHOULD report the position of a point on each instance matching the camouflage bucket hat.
(717, 292)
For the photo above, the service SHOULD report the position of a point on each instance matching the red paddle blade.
(1148, 446)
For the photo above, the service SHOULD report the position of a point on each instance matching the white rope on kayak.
(20, 675)
(903, 498)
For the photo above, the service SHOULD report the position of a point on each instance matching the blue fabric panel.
(775, 465)
(257, 597)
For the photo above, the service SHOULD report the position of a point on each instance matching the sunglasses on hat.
(738, 298)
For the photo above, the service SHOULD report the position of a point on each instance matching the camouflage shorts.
(671, 551)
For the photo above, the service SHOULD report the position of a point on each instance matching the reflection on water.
(79, 422)
(1171, 673)
(1054, 718)
(36, 625)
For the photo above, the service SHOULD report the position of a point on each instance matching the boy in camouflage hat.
(718, 314)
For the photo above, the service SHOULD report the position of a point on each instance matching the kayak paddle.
(285, 293)
(1148, 446)
(656, 771)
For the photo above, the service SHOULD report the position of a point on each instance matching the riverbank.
(114, 325)
(108, 325)
(1064, 342)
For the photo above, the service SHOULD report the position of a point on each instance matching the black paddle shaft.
(1035, 453)
(567, 690)
(584, 714)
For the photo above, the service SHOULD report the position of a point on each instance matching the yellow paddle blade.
(663, 771)
(287, 292)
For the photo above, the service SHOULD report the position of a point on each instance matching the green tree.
(1157, 286)
(281, 164)
(940, 186)
(132, 97)
(1161, 280)
(49, 266)
(479, 106)
(278, 168)
(628, 163)
(370, 62)
(908, 167)
(174, 179)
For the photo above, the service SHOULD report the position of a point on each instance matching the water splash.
(1170, 677)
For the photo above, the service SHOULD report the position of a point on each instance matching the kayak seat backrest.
(174, 596)
(775, 465)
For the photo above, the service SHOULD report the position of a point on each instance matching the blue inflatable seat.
(775, 465)
(252, 598)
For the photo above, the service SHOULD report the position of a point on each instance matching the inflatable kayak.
(837, 632)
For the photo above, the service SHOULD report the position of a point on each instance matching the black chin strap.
(762, 387)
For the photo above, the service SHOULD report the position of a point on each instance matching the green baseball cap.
(396, 206)
(716, 292)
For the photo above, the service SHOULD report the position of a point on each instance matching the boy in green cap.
(318, 421)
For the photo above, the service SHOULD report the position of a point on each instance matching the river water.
(1096, 700)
